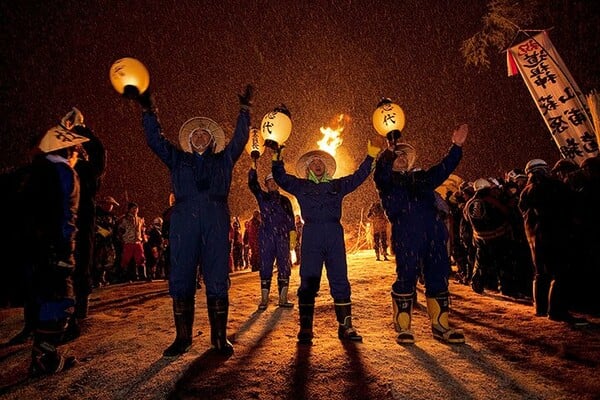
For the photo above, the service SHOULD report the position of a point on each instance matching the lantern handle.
(384, 100)
(282, 108)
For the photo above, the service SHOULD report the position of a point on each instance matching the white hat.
(481, 183)
(536, 164)
(268, 177)
(409, 150)
(201, 123)
(307, 158)
(57, 138)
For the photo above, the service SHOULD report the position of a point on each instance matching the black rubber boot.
(283, 286)
(343, 312)
(45, 358)
(541, 290)
(218, 310)
(183, 314)
(265, 288)
(306, 311)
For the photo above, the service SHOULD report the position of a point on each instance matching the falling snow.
(320, 58)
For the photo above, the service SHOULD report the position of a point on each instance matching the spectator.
(131, 231)
(90, 168)
(379, 222)
(104, 248)
(153, 247)
(490, 220)
(546, 204)
(251, 241)
(237, 245)
(299, 227)
(51, 194)
(166, 229)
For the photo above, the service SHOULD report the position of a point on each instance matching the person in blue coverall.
(276, 234)
(418, 234)
(201, 172)
(320, 198)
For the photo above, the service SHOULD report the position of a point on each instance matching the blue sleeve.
(351, 182)
(253, 183)
(287, 182)
(383, 171)
(236, 145)
(157, 142)
(440, 172)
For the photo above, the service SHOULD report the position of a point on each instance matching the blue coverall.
(277, 218)
(323, 234)
(199, 229)
(418, 234)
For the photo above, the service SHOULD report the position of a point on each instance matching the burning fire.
(332, 135)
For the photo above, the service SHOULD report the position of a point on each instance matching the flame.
(332, 135)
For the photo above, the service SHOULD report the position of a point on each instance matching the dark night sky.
(320, 58)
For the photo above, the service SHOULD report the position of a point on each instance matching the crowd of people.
(529, 234)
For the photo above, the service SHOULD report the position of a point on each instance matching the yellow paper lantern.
(129, 76)
(256, 144)
(388, 117)
(276, 127)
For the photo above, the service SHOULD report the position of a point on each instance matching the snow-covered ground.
(509, 354)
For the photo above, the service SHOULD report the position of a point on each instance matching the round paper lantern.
(129, 76)
(388, 117)
(276, 127)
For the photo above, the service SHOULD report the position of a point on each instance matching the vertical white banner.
(556, 95)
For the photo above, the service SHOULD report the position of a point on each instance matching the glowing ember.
(332, 135)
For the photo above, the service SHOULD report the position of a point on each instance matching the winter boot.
(541, 289)
(218, 310)
(557, 307)
(82, 306)
(477, 281)
(265, 288)
(438, 308)
(142, 273)
(307, 310)
(45, 359)
(283, 285)
(402, 304)
(343, 312)
(183, 313)
(73, 330)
